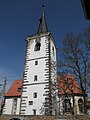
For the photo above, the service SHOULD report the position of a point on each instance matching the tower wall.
(38, 73)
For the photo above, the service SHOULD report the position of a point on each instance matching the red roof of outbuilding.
(13, 90)
(68, 84)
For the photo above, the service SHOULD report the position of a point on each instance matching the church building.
(36, 94)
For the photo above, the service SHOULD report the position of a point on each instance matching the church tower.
(39, 72)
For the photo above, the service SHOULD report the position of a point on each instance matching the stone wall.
(64, 117)
(8, 117)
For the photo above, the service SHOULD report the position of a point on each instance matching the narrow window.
(35, 95)
(30, 102)
(37, 46)
(53, 50)
(15, 106)
(80, 105)
(34, 111)
(35, 78)
(36, 62)
(67, 105)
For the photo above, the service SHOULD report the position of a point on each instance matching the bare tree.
(74, 60)
(86, 42)
(86, 38)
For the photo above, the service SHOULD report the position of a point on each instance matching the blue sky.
(19, 18)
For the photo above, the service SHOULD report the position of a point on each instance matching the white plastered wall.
(8, 106)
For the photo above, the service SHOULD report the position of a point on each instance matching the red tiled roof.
(68, 85)
(13, 90)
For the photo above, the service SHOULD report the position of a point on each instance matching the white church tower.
(39, 73)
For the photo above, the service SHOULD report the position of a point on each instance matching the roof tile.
(13, 90)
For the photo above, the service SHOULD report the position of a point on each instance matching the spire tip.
(42, 3)
(42, 26)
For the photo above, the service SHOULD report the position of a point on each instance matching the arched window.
(80, 105)
(37, 46)
(67, 105)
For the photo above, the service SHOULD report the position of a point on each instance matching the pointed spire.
(42, 25)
